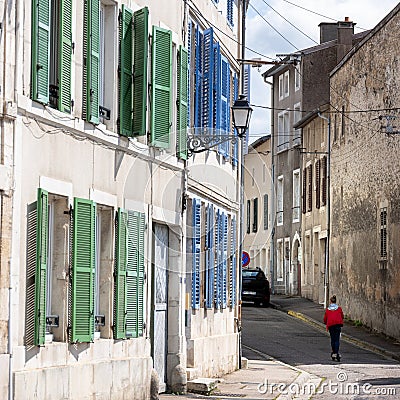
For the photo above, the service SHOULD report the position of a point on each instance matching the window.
(283, 131)
(279, 211)
(255, 214)
(252, 177)
(324, 180)
(297, 77)
(248, 216)
(133, 45)
(286, 84)
(107, 64)
(210, 257)
(383, 234)
(279, 260)
(182, 102)
(229, 12)
(296, 195)
(297, 132)
(265, 212)
(196, 250)
(343, 122)
(52, 53)
(129, 275)
(309, 188)
(161, 111)
(318, 184)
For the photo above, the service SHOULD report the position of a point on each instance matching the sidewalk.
(313, 314)
(256, 382)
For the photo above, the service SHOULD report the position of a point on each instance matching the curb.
(348, 338)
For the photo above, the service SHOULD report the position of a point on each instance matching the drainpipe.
(328, 213)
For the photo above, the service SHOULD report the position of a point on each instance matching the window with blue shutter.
(225, 104)
(210, 257)
(208, 82)
(218, 266)
(198, 78)
(217, 87)
(233, 264)
(235, 96)
(229, 12)
(196, 247)
(224, 260)
(190, 52)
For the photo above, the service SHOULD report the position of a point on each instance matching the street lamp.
(241, 113)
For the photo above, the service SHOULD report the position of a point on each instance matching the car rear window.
(250, 274)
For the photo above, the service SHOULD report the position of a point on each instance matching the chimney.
(327, 31)
(345, 32)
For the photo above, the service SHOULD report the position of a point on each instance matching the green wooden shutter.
(40, 50)
(65, 56)
(125, 68)
(41, 266)
(83, 265)
(141, 34)
(161, 87)
(182, 103)
(92, 60)
(135, 274)
(120, 275)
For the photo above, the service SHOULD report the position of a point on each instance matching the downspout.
(328, 212)
(272, 245)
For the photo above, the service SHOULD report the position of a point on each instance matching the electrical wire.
(290, 23)
(271, 26)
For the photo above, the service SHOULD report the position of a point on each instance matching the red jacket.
(333, 316)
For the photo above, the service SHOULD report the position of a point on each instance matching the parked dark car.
(255, 287)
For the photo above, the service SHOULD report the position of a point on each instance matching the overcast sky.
(262, 38)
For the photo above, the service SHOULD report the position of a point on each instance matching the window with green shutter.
(140, 34)
(120, 275)
(125, 71)
(41, 266)
(92, 59)
(52, 52)
(135, 274)
(83, 266)
(129, 275)
(161, 87)
(182, 102)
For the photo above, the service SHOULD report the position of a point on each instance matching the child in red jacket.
(333, 319)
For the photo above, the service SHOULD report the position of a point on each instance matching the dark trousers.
(334, 331)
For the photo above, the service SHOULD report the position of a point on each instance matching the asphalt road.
(360, 375)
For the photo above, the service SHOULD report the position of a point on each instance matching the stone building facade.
(365, 186)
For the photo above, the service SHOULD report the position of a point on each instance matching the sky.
(261, 37)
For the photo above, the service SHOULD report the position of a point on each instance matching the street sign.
(245, 259)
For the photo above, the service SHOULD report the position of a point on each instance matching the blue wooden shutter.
(219, 250)
(161, 87)
(233, 263)
(225, 108)
(217, 88)
(210, 257)
(224, 258)
(208, 68)
(83, 265)
(198, 79)
(196, 205)
(42, 231)
(235, 96)
(229, 12)
(40, 50)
